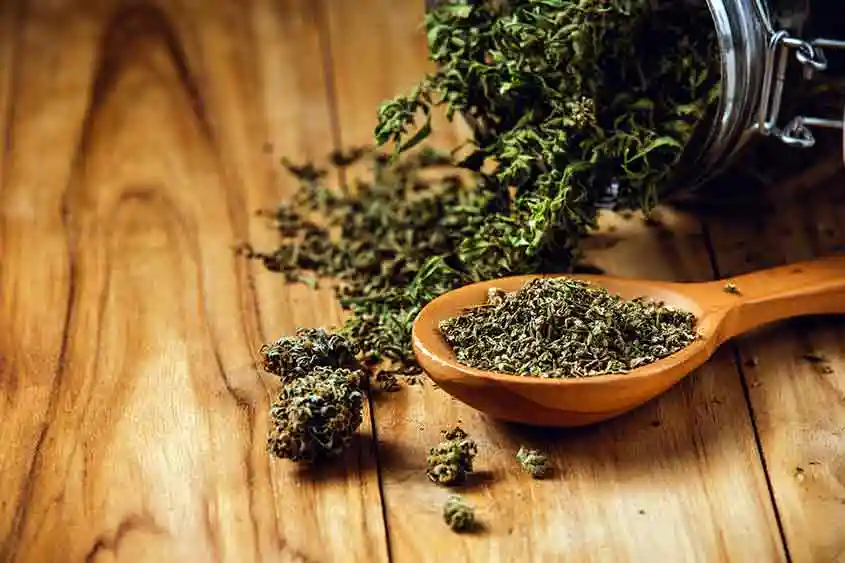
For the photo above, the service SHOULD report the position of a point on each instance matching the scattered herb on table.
(533, 462)
(459, 515)
(391, 243)
(449, 462)
(815, 357)
(562, 327)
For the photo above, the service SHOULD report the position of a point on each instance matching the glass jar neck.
(756, 39)
(741, 38)
(742, 43)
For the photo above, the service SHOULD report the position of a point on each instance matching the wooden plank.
(135, 154)
(798, 406)
(678, 480)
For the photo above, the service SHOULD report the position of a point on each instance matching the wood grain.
(134, 155)
(798, 405)
(678, 480)
(138, 138)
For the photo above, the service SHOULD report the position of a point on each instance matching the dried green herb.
(451, 460)
(562, 327)
(291, 357)
(391, 242)
(575, 101)
(533, 462)
(317, 414)
(459, 515)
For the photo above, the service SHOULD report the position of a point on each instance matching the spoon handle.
(815, 287)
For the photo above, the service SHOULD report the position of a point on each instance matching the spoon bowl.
(807, 288)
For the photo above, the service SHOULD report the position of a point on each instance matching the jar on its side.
(763, 62)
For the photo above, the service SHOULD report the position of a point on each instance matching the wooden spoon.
(807, 288)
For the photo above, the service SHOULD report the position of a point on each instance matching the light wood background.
(137, 139)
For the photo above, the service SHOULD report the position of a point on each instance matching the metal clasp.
(810, 54)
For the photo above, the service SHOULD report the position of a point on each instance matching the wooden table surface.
(138, 138)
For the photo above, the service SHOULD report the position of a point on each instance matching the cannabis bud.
(533, 462)
(317, 414)
(451, 460)
(457, 514)
(291, 357)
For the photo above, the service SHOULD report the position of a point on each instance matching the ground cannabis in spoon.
(563, 327)
(451, 460)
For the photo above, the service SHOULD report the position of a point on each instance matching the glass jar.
(764, 60)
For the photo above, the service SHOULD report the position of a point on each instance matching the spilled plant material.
(533, 462)
(390, 243)
(565, 328)
(816, 357)
(458, 515)
(317, 414)
(575, 101)
(449, 462)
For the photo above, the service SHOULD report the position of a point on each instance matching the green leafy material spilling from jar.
(573, 102)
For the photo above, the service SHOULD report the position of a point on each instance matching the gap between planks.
(325, 35)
